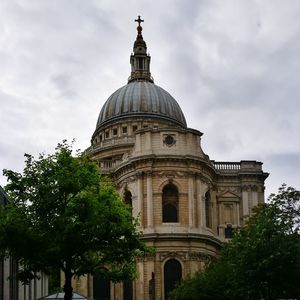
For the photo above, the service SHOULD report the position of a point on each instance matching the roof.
(141, 99)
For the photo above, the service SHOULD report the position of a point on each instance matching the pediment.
(228, 197)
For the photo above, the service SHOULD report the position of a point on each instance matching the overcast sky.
(233, 66)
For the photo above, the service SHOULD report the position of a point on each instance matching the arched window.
(128, 199)
(101, 289)
(127, 290)
(207, 210)
(170, 201)
(172, 275)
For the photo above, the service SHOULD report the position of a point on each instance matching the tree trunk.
(68, 284)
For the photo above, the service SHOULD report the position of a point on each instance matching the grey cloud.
(283, 168)
(232, 66)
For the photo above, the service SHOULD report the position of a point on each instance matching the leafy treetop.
(62, 214)
(261, 262)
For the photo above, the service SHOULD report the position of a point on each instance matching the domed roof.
(141, 99)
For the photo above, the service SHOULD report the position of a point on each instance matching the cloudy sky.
(233, 66)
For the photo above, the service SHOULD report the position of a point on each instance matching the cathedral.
(187, 204)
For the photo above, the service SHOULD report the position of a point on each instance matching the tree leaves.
(63, 215)
(261, 262)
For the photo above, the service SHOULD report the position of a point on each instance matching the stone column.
(149, 201)
(214, 219)
(254, 199)
(203, 211)
(245, 199)
(238, 213)
(140, 198)
(199, 201)
(191, 202)
(201, 190)
(139, 282)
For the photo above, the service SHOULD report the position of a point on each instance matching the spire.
(139, 59)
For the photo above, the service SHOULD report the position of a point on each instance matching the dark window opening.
(124, 130)
(207, 210)
(128, 199)
(107, 134)
(169, 213)
(170, 203)
(100, 137)
(127, 290)
(134, 128)
(115, 131)
(229, 232)
(172, 275)
(140, 63)
(101, 289)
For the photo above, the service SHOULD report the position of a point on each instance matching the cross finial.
(139, 20)
(139, 28)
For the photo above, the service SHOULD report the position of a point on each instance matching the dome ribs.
(141, 98)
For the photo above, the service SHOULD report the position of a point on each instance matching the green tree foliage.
(261, 262)
(63, 215)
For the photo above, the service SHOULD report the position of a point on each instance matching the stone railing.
(242, 166)
(113, 142)
(107, 166)
(226, 166)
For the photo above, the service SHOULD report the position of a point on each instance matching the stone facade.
(187, 204)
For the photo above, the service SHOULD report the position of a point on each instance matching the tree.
(261, 262)
(62, 214)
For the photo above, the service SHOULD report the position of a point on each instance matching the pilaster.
(140, 197)
(149, 200)
(191, 202)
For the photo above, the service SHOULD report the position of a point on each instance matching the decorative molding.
(200, 256)
(146, 257)
(124, 183)
(231, 189)
(250, 187)
(169, 174)
(182, 255)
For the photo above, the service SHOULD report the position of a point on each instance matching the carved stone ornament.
(250, 187)
(170, 174)
(182, 255)
(146, 257)
(124, 183)
(199, 256)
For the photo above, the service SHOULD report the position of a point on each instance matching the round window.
(169, 140)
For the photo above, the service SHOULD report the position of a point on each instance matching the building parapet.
(242, 166)
(112, 142)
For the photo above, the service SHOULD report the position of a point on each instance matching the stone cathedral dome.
(141, 97)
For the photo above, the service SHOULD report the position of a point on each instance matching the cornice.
(182, 236)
